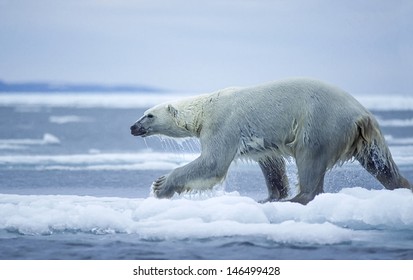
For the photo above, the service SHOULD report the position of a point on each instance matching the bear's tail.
(369, 135)
(371, 150)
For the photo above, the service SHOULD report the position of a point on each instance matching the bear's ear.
(172, 110)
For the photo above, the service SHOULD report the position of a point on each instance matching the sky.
(364, 47)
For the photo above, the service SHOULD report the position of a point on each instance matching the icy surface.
(142, 100)
(329, 219)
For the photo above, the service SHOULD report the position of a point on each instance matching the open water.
(74, 184)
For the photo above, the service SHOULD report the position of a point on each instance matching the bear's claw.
(160, 188)
(158, 182)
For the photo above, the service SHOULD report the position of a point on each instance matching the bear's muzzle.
(138, 130)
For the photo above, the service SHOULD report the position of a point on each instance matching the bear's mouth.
(138, 131)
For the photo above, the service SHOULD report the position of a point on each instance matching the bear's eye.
(150, 116)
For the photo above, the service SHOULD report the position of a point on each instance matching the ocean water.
(74, 184)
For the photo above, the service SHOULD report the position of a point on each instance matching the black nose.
(137, 130)
(134, 130)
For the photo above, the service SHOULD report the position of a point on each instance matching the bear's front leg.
(200, 174)
(204, 172)
(195, 175)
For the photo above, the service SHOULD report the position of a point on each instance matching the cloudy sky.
(361, 46)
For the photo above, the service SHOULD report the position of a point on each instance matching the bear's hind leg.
(276, 179)
(380, 164)
(311, 172)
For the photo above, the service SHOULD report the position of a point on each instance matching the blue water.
(74, 184)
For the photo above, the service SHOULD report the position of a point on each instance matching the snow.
(328, 219)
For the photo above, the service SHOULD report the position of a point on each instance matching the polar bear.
(313, 122)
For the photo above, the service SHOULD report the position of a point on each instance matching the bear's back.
(290, 98)
(287, 109)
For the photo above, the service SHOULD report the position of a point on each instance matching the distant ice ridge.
(145, 100)
(10, 144)
(116, 100)
(349, 215)
(69, 119)
(386, 102)
(398, 141)
(396, 122)
(100, 161)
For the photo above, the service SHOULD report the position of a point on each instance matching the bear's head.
(163, 119)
